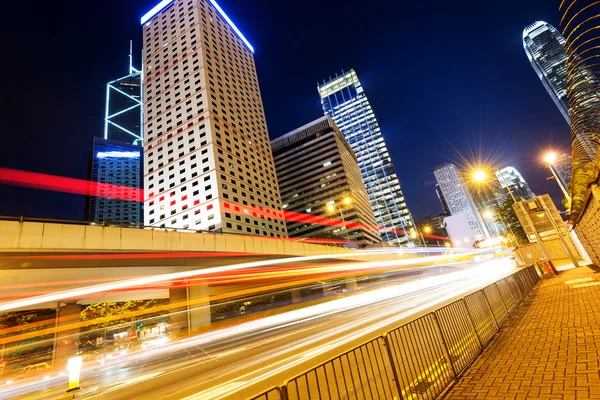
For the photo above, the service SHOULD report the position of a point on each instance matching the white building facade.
(207, 156)
(459, 199)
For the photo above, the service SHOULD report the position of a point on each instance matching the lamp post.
(331, 208)
(550, 159)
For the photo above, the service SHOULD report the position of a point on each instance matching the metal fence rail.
(417, 360)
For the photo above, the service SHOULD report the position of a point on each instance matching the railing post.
(487, 303)
(388, 347)
(444, 345)
(472, 322)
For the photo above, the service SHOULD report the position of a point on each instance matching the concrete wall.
(588, 227)
(37, 236)
(18, 236)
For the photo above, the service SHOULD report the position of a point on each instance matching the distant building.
(564, 169)
(344, 99)
(438, 191)
(518, 186)
(316, 168)
(488, 198)
(544, 45)
(116, 163)
(459, 200)
(117, 158)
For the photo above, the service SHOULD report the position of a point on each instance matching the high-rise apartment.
(344, 99)
(116, 159)
(459, 199)
(208, 162)
(320, 181)
(518, 186)
(544, 46)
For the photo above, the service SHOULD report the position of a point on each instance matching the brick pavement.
(549, 349)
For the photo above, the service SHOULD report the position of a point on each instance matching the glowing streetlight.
(550, 157)
(479, 175)
(488, 214)
(427, 229)
(331, 208)
(447, 244)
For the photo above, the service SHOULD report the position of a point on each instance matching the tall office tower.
(544, 46)
(117, 158)
(564, 169)
(318, 175)
(459, 199)
(207, 158)
(117, 165)
(487, 199)
(442, 200)
(123, 112)
(344, 100)
(518, 186)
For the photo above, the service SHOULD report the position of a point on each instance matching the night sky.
(447, 81)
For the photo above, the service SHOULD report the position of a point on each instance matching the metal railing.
(417, 360)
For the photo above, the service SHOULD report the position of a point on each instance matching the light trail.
(144, 281)
(56, 183)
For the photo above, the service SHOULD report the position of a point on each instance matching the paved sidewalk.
(549, 349)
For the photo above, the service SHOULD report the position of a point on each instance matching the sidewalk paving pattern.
(549, 349)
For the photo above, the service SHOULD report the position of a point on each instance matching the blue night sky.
(446, 80)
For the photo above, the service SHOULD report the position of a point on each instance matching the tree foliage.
(509, 215)
(100, 311)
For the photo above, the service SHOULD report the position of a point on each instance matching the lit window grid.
(162, 43)
(355, 118)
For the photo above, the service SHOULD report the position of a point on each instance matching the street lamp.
(480, 176)
(550, 158)
(331, 208)
(427, 229)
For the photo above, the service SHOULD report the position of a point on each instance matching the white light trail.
(129, 283)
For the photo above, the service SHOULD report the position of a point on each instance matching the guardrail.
(417, 360)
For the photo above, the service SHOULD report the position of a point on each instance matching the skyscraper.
(459, 199)
(438, 191)
(544, 46)
(487, 198)
(344, 99)
(117, 158)
(564, 169)
(116, 163)
(123, 112)
(320, 180)
(207, 157)
(518, 186)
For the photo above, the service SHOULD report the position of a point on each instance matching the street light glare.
(427, 229)
(479, 176)
(330, 208)
(550, 157)
(488, 214)
(347, 200)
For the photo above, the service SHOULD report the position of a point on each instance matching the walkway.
(549, 349)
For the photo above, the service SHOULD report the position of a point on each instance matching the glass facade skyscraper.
(518, 186)
(117, 158)
(344, 100)
(544, 46)
(116, 163)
